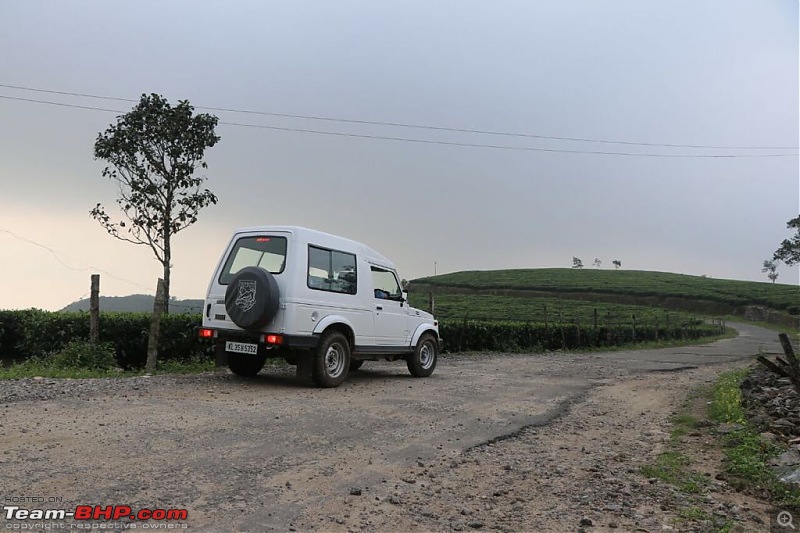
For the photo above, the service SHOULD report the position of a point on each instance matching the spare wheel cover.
(252, 298)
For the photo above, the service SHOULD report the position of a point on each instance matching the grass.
(672, 465)
(626, 282)
(47, 369)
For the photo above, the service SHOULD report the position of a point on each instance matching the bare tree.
(617, 263)
(597, 262)
(577, 263)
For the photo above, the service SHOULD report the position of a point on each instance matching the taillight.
(273, 339)
(205, 333)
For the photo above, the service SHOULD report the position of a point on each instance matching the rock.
(768, 437)
(394, 499)
(355, 491)
(791, 478)
(790, 457)
(475, 524)
(729, 427)
(586, 521)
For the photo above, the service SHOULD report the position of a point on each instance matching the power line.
(65, 265)
(430, 141)
(88, 268)
(416, 126)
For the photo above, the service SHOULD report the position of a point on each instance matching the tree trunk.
(155, 327)
(166, 285)
(166, 263)
(94, 309)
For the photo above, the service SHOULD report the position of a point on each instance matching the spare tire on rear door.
(252, 298)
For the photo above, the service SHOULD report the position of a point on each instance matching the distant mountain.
(136, 303)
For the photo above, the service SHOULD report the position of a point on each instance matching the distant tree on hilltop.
(577, 263)
(770, 267)
(617, 263)
(597, 262)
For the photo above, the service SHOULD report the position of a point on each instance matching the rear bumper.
(298, 342)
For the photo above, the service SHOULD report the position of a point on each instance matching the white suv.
(322, 302)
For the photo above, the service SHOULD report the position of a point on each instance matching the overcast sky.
(714, 73)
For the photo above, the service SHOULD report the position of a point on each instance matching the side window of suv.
(385, 284)
(331, 270)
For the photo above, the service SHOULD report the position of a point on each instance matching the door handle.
(379, 308)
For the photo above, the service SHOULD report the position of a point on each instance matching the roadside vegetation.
(82, 359)
(710, 439)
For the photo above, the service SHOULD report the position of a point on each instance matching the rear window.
(264, 252)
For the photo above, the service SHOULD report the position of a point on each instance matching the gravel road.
(490, 441)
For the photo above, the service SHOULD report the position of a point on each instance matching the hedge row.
(30, 333)
(503, 336)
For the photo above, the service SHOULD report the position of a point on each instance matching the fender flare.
(421, 329)
(329, 320)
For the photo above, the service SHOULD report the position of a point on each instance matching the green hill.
(136, 303)
(622, 286)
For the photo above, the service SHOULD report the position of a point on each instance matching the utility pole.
(434, 268)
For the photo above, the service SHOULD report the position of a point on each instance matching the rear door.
(390, 313)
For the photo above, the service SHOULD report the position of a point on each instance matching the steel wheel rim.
(426, 355)
(334, 360)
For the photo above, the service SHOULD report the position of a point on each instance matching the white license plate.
(241, 347)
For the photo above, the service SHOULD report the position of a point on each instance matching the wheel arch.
(421, 330)
(336, 323)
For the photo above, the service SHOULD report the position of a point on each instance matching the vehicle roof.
(327, 240)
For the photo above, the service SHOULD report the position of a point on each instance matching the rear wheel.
(331, 360)
(245, 365)
(422, 362)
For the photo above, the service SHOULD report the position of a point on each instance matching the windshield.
(264, 252)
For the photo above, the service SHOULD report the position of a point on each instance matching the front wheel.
(331, 360)
(422, 362)
(246, 366)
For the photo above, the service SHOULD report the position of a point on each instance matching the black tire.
(252, 298)
(422, 362)
(355, 364)
(246, 366)
(331, 360)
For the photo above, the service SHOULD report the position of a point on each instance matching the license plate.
(241, 347)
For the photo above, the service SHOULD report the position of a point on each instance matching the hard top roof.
(327, 240)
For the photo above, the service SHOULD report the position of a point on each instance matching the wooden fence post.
(155, 327)
(94, 310)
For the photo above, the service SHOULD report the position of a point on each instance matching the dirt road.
(503, 442)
